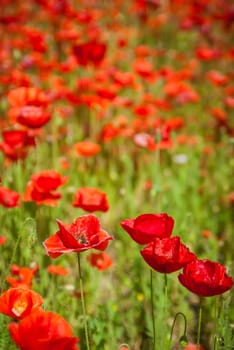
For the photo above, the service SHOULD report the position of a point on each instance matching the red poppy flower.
(191, 346)
(217, 78)
(123, 78)
(19, 302)
(207, 54)
(87, 148)
(101, 261)
(90, 52)
(23, 276)
(205, 278)
(146, 227)
(33, 117)
(167, 255)
(28, 107)
(48, 180)
(143, 67)
(9, 198)
(57, 270)
(34, 38)
(91, 199)
(229, 101)
(145, 140)
(16, 143)
(109, 132)
(43, 331)
(84, 233)
(22, 96)
(41, 188)
(3, 240)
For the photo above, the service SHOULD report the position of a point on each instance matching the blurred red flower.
(3, 240)
(143, 68)
(33, 117)
(22, 96)
(84, 233)
(91, 199)
(207, 54)
(41, 188)
(101, 261)
(109, 132)
(87, 148)
(23, 276)
(167, 255)
(89, 52)
(28, 107)
(19, 302)
(43, 331)
(216, 78)
(146, 227)
(16, 143)
(8, 198)
(57, 270)
(205, 278)
(191, 346)
(145, 140)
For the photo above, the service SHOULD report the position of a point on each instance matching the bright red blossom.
(91, 52)
(3, 240)
(19, 302)
(43, 331)
(33, 117)
(91, 199)
(167, 255)
(84, 233)
(87, 148)
(205, 278)
(57, 270)
(28, 107)
(42, 187)
(146, 227)
(191, 346)
(9, 198)
(16, 143)
(23, 276)
(101, 261)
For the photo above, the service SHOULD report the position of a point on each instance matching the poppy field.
(116, 175)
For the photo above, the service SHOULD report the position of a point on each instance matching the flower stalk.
(199, 327)
(83, 302)
(152, 308)
(183, 338)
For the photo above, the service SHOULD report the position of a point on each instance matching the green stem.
(216, 320)
(152, 308)
(199, 327)
(165, 293)
(173, 325)
(83, 302)
(215, 342)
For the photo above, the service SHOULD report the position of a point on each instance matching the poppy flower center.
(19, 307)
(81, 237)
